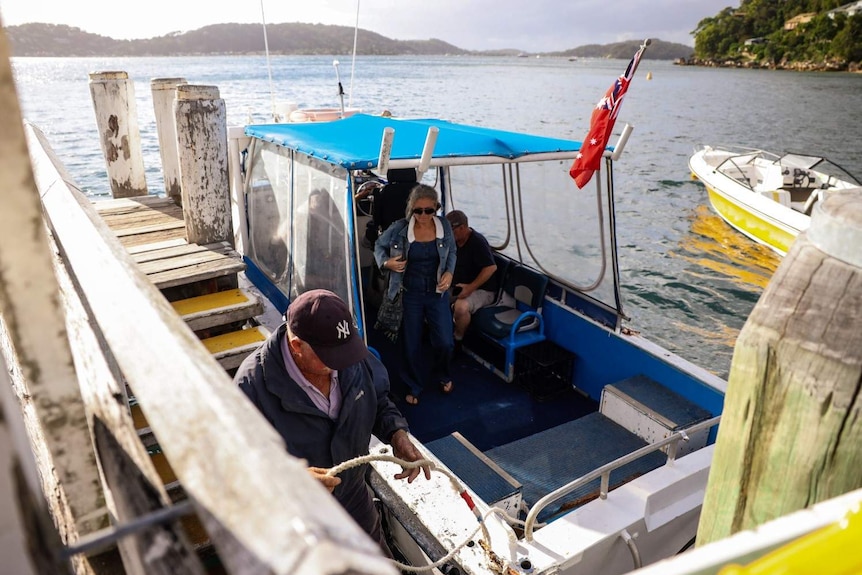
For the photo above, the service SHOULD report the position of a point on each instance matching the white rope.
(456, 485)
(448, 557)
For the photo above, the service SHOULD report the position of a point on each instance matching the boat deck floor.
(485, 409)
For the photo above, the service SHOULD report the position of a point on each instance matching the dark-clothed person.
(325, 393)
(474, 281)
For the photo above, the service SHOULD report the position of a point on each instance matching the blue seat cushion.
(497, 321)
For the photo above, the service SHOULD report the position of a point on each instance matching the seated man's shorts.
(479, 299)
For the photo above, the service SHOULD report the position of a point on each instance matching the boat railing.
(604, 472)
(261, 509)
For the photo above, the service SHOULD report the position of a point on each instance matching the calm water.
(689, 281)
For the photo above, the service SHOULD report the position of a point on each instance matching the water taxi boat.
(767, 197)
(568, 426)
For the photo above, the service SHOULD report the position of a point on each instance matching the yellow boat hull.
(758, 228)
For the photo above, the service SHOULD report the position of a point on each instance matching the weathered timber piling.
(791, 431)
(164, 99)
(202, 143)
(38, 387)
(117, 119)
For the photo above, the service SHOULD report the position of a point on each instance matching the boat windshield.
(830, 172)
(296, 209)
(532, 212)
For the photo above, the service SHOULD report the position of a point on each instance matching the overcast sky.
(530, 25)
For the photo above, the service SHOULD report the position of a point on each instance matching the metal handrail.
(605, 471)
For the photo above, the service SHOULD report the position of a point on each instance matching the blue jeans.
(420, 306)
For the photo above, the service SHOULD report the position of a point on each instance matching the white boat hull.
(751, 193)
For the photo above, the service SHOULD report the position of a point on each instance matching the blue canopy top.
(354, 142)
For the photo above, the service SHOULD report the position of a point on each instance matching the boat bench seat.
(653, 412)
(515, 321)
(484, 477)
(548, 460)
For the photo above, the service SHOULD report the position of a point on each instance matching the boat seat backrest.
(523, 291)
(526, 287)
(772, 179)
(390, 202)
(500, 275)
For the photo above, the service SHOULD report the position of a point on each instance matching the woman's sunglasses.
(426, 211)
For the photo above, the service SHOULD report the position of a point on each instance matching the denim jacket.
(400, 234)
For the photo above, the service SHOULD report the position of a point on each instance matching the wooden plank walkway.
(152, 229)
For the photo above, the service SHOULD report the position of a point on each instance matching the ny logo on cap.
(343, 329)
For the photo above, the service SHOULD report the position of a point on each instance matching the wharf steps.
(119, 401)
(200, 281)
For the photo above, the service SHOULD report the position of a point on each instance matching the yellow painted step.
(231, 348)
(220, 308)
(138, 417)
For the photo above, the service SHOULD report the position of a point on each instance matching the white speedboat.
(767, 197)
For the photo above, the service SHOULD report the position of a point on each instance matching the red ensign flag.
(604, 115)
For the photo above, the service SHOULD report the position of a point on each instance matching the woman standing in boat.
(419, 252)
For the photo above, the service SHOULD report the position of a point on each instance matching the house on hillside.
(799, 19)
(850, 9)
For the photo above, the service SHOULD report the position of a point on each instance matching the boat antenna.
(340, 87)
(268, 65)
(353, 63)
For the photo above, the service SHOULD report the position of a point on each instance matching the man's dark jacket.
(311, 434)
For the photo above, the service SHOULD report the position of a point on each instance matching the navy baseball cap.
(323, 321)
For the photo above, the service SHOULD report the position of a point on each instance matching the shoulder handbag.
(389, 315)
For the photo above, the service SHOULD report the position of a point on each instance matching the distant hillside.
(291, 38)
(658, 50)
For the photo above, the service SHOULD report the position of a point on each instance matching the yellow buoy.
(649, 75)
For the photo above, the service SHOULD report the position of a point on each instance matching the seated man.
(473, 280)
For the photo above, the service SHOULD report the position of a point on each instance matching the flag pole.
(602, 120)
(641, 50)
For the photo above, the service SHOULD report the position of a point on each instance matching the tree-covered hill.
(658, 50)
(290, 38)
(802, 34)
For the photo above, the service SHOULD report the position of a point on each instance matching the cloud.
(538, 25)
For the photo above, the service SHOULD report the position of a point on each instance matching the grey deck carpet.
(548, 460)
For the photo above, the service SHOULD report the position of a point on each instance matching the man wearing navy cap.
(325, 393)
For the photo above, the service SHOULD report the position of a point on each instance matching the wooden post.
(791, 431)
(36, 352)
(164, 98)
(202, 143)
(117, 119)
(28, 541)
